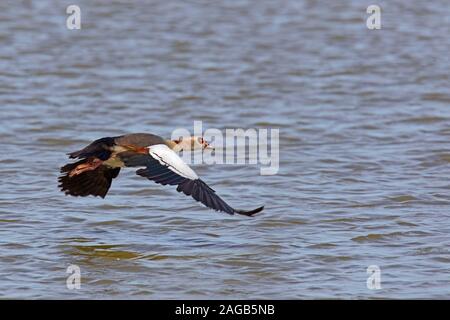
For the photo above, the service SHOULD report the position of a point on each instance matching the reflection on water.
(364, 120)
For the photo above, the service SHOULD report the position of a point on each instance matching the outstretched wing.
(164, 166)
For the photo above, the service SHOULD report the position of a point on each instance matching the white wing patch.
(170, 159)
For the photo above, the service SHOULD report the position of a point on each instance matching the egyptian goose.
(101, 161)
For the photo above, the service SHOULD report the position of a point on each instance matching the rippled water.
(364, 124)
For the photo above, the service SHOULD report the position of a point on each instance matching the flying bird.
(101, 161)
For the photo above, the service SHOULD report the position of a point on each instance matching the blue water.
(364, 123)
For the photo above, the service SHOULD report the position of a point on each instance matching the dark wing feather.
(96, 182)
(200, 191)
(100, 149)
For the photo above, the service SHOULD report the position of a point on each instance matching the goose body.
(101, 161)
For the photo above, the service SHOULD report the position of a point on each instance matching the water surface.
(364, 122)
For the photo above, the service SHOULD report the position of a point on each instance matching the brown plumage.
(96, 182)
(100, 162)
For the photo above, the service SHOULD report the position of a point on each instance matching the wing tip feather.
(249, 213)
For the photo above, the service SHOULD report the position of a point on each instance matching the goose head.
(191, 143)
